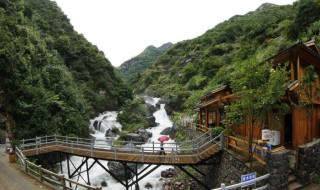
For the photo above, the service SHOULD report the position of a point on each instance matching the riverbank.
(13, 178)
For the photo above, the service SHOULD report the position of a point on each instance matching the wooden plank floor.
(128, 156)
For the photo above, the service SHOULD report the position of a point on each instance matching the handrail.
(74, 143)
(239, 185)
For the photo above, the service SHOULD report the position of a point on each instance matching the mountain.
(131, 69)
(194, 67)
(52, 79)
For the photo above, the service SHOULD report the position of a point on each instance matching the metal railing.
(245, 184)
(192, 149)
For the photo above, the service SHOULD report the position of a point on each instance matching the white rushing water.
(108, 120)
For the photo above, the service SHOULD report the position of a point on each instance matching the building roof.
(215, 91)
(309, 46)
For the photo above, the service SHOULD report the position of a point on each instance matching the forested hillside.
(52, 78)
(194, 67)
(130, 70)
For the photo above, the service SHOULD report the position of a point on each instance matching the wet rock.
(151, 109)
(166, 131)
(148, 186)
(118, 170)
(151, 121)
(104, 183)
(133, 137)
(145, 135)
(109, 133)
(167, 173)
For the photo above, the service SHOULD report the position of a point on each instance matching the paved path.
(12, 178)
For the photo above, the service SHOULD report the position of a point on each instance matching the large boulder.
(151, 121)
(166, 131)
(151, 109)
(133, 137)
(118, 170)
(144, 134)
(109, 133)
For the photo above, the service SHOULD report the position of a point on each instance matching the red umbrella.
(163, 138)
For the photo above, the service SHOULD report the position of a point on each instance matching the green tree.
(258, 89)
(309, 89)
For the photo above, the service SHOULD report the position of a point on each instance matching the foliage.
(309, 91)
(53, 79)
(133, 115)
(217, 130)
(130, 70)
(15, 143)
(193, 67)
(258, 89)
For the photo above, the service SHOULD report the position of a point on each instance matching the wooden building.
(296, 127)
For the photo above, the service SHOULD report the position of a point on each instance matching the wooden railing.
(196, 148)
(192, 148)
(47, 176)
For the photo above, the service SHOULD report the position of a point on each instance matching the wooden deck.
(138, 155)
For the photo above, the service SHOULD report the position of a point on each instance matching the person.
(161, 148)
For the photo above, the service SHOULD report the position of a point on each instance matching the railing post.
(77, 140)
(172, 157)
(40, 173)
(46, 138)
(72, 147)
(55, 140)
(25, 165)
(115, 153)
(142, 154)
(37, 145)
(223, 186)
(23, 142)
(63, 182)
(222, 140)
(198, 153)
(66, 139)
(153, 147)
(91, 148)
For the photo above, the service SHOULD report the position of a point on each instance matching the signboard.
(248, 177)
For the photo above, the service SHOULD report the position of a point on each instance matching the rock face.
(151, 121)
(117, 169)
(142, 135)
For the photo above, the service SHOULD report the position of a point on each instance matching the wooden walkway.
(193, 152)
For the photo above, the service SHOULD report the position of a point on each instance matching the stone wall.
(308, 161)
(278, 166)
(228, 171)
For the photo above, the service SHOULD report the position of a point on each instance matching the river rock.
(109, 133)
(118, 170)
(133, 137)
(151, 121)
(166, 173)
(144, 134)
(151, 109)
(104, 183)
(166, 131)
(148, 186)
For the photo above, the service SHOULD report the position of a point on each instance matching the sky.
(122, 29)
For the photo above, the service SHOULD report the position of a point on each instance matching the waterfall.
(108, 120)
